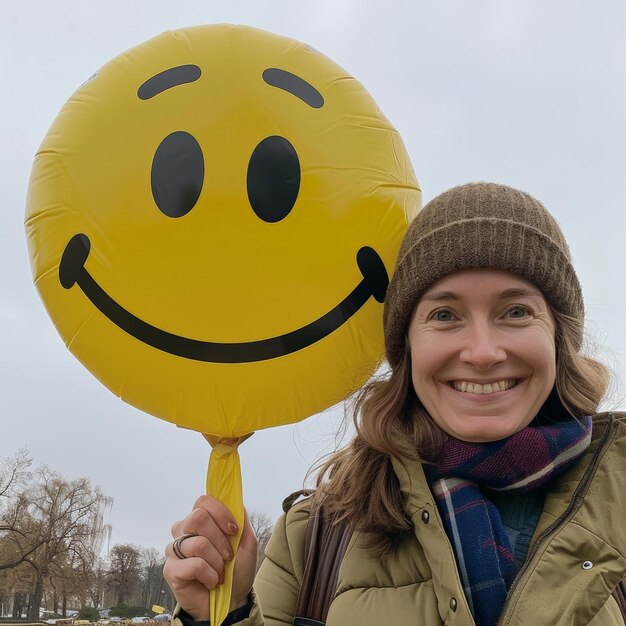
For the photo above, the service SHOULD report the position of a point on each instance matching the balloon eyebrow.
(167, 79)
(294, 85)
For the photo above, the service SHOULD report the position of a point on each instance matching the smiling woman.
(482, 486)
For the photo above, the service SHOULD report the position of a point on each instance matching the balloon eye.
(273, 179)
(177, 174)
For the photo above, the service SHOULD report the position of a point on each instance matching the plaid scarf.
(522, 463)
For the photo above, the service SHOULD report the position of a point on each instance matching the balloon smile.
(375, 281)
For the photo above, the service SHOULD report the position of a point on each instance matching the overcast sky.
(523, 92)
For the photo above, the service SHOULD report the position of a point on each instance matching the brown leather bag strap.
(324, 548)
(619, 593)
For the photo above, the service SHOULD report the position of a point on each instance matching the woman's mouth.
(484, 389)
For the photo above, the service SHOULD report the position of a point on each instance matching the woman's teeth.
(501, 385)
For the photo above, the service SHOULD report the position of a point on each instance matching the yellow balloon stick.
(224, 483)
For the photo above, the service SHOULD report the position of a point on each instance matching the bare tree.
(15, 585)
(18, 535)
(154, 589)
(125, 571)
(96, 579)
(51, 525)
(51, 534)
(81, 578)
(152, 566)
(262, 525)
(14, 472)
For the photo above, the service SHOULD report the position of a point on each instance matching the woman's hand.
(202, 569)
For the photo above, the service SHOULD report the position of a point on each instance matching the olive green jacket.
(576, 558)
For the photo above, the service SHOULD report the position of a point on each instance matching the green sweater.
(520, 513)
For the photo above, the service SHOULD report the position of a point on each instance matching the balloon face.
(211, 221)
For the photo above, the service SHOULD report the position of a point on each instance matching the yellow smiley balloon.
(212, 219)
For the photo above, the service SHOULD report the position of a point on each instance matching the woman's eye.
(443, 316)
(518, 312)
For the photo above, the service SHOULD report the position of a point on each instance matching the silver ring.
(176, 545)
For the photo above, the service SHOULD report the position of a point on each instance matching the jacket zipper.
(572, 507)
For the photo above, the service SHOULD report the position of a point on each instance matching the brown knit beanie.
(479, 225)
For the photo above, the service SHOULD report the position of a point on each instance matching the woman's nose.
(482, 347)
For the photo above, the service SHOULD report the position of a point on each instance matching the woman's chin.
(482, 429)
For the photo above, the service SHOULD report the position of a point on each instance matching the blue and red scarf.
(520, 463)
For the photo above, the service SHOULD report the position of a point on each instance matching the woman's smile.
(477, 388)
(465, 392)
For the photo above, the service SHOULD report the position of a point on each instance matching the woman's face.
(483, 357)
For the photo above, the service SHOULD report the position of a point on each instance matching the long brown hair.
(357, 483)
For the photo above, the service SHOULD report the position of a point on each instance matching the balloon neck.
(231, 442)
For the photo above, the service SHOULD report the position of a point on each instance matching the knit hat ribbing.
(479, 225)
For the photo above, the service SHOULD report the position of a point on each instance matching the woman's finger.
(180, 573)
(204, 523)
(200, 547)
(219, 512)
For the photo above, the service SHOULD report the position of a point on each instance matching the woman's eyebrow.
(517, 292)
(512, 292)
(440, 295)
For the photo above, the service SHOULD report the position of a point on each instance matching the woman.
(482, 486)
